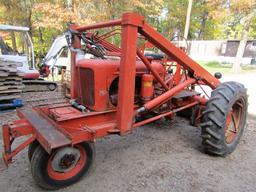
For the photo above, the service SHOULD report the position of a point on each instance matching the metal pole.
(190, 2)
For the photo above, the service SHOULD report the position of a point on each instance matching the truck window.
(12, 43)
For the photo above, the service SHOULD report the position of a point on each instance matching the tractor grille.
(87, 86)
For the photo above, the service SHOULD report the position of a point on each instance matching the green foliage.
(224, 68)
(175, 17)
(252, 31)
(214, 66)
(16, 12)
(42, 46)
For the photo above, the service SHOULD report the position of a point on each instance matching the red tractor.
(117, 90)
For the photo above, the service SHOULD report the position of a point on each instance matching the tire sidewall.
(40, 168)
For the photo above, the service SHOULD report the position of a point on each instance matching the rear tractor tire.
(63, 167)
(224, 119)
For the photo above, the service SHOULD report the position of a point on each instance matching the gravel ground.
(161, 156)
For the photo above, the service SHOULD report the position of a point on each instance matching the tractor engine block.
(98, 83)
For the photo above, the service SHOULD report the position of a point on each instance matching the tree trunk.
(41, 39)
(186, 31)
(242, 45)
(203, 25)
(14, 45)
(70, 5)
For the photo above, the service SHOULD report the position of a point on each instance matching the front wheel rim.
(79, 165)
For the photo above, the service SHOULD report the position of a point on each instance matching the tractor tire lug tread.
(207, 111)
(213, 134)
(222, 93)
(215, 121)
(219, 108)
(230, 87)
(209, 142)
(208, 123)
(206, 136)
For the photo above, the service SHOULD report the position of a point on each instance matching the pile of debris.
(10, 82)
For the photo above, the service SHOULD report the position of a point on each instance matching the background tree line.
(210, 19)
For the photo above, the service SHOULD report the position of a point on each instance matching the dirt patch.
(161, 156)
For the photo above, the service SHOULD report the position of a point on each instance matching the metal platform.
(46, 133)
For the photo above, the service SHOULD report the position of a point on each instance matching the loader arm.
(162, 43)
(178, 55)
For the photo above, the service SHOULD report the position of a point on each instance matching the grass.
(215, 66)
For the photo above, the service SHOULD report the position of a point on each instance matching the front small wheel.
(63, 167)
